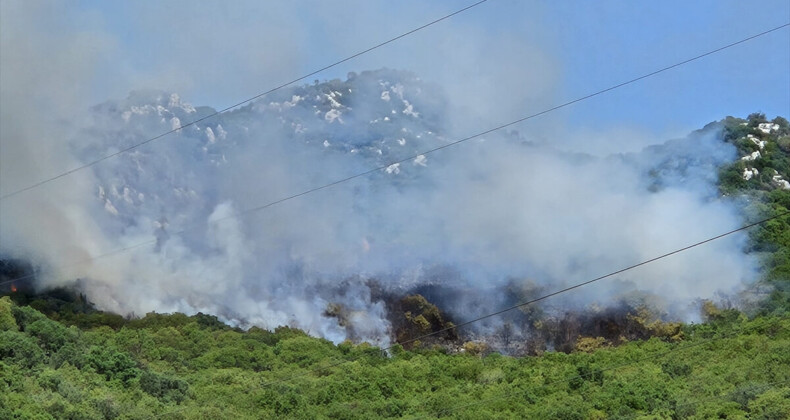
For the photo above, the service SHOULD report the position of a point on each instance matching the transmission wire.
(454, 143)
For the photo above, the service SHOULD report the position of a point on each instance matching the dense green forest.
(195, 367)
(60, 358)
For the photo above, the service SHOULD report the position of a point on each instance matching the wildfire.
(13, 288)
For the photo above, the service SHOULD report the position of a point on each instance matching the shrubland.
(194, 367)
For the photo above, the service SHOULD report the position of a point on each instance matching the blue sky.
(528, 55)
(625, 39)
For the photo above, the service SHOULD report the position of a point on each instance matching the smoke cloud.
(477, 217)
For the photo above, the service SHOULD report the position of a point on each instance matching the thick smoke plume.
(473, 219)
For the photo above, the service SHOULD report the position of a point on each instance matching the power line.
(651, 357)
(412, 157)
(426, 152)
(464, 140)
(513, 393)
(580, 376)
(215, 113)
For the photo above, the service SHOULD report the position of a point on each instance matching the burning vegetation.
(529, 331)
(15, 276)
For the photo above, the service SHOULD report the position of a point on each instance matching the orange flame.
(13, 288)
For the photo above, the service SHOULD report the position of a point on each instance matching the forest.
(181, 367)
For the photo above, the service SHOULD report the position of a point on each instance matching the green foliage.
(71, 353)
(198, 370)
(730, 179)
(241, 356)
(164, 388)
(52, 335)
(676, 368)
(773, 404)
(303, 351)
(586, 374)
(20, 348)
(7, 321)
(94, 319)
(756, 118)
(25, 315)
(209, 322)
(155, 321)
(113, 364)
(766, 200)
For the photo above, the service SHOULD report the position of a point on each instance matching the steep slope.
(84, 363)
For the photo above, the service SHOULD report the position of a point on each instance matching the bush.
(7, 321)
(52, 335)
(773, 404)
(20, 349)
(95, 319)
(586, 374)
(113, 364)
(303, 351)
(676, 369)
(70, 353)
(164, 388)
(25, 315)
(236, 357)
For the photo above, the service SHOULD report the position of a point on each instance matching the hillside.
(620, 362)
(758, 182)
(501, 219)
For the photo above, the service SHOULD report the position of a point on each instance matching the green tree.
(773, 404)
(21, 349)
(7, 321)
(163, 387)
(113, 364)
(52, 335)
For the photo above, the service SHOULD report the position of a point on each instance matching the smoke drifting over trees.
(470, 221)
(481, 225)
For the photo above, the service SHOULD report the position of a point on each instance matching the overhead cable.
(423, 153)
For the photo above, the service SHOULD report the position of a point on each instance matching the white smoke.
(473, 217)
